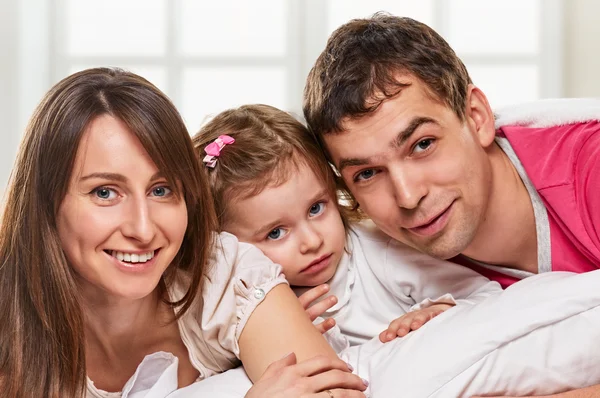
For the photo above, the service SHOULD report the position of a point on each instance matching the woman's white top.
(238, 278)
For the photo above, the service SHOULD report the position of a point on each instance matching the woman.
(109, 260)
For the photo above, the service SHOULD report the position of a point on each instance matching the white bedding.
(541, 335)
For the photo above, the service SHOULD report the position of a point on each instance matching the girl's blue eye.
(277, 234)
(316, 209)
(105, 193)
(161, 191)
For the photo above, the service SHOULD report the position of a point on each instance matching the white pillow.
(541, 335)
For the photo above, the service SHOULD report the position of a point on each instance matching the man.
(416, 145)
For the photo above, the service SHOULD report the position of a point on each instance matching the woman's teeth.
(132, 257)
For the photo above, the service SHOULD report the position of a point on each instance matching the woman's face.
(120, 225)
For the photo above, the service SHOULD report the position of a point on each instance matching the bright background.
(212, 55)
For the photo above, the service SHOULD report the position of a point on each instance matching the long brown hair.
(41, 330)
(270, 145)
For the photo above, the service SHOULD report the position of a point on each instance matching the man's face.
(417, 170)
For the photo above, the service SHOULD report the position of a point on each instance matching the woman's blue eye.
(104, 193)
(276, 234)
(316, 209)
(161, 191)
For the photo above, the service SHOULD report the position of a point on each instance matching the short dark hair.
(357, 70)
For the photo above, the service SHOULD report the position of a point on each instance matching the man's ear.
(479, 116)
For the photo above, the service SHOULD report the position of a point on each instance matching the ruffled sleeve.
(238, 279)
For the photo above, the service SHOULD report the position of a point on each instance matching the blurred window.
(211, 55)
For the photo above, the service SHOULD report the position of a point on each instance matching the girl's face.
(296, 224)
(120, 225)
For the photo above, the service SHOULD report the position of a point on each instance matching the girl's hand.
(413, 320)
(318, 377)
(318, 309)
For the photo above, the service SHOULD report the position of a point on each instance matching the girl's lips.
(318, 265)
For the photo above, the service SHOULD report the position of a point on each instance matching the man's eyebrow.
(405, 134)
(349, 162)
(398, 141)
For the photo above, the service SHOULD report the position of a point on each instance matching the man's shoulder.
(548, 123)
(551, 155)
(565, 137)
(563, 164)
(548, 112)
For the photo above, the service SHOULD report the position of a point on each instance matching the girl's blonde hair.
(269, 145)
(42, 339)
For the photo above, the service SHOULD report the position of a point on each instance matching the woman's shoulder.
(230, 264)
(238, 278)
(231, 254)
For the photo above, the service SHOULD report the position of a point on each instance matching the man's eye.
(365, 175)
(423, 145)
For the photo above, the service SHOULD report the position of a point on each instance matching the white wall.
(582, 42)
(8, 88)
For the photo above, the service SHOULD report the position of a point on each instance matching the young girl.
(112, 280)
(272, 187)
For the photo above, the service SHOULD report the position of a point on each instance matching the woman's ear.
(479, 116)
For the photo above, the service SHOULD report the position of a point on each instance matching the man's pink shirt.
(563, 163)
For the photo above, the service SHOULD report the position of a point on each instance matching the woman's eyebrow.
(117, 176)
(105, 176)
(157, 176)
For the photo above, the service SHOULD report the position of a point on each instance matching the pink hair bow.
(213, 150)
